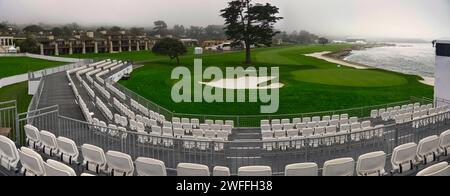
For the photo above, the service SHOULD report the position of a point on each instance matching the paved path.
(58, 92)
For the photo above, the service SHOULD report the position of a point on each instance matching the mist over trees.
(302, 37)
(201, 33)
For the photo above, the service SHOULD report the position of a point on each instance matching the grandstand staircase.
(56, 91)
(248, 150)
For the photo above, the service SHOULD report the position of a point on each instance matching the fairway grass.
(18, 92)
(10, 66)
(350, 77)
(311, 84)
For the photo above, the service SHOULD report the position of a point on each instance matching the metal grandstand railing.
(38, 74)
(34, 104)
(8, 117)
(251, 121)
(236, 154)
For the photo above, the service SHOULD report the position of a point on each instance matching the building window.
(443, 50)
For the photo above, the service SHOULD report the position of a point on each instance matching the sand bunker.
(246, 82)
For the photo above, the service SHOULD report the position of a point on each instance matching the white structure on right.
(442, 70)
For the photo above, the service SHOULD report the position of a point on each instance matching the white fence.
(13, 80)
(50, 58)
(38, 74)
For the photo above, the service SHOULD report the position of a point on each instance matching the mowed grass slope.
(311, 84)
(18, 92)
(10, 66)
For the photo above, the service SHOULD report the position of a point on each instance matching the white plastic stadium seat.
(33, 137)
(55, 168)
(219, 122)
(86, 174)
(428, 149)
(374, 114)
(301, 169)
(221, 171)
(9, 156)
(68, 150)
(444, 142)
(191, 169)
(403, 157)
(176, 120)
(209, 122)
(94, 158)
(255, 171)
(32, 163)
(296, 121)
(230, 123)
(49, 144)
(150, 167)
(265, 122)
(339, 167)
(440, 169)
(195, 123)
(315, 119)
(119, 164)
(371, 164)
(275, 121)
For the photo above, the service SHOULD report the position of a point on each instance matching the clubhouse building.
(94, 42)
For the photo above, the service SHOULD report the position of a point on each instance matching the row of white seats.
(105, 110)
(123, 109)
(291, 139)
(305, 119)
(102, 90)
(84, 71)
(83, 106)
(113, 64)
(111, 129)
(116, 67)
(91, 92)
(94, 159)
(99, 79)
(90, 80)
(413, 113)
(312, 124)
(407, 117)
(85, 110)
(320, 130)
(146, 112)
(406, 156)
(116, 91)
(368, 164)
(120, 164)
(60, 147)
(288, 126)
(410, 107)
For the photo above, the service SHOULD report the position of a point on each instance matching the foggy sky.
(358, 18)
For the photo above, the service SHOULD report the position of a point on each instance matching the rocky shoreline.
(341, 55)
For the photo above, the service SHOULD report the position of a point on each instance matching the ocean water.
(408, 58)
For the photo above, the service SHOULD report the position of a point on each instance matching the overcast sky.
(362, 18)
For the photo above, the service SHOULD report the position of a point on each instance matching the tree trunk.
(178, 60)
(248, 56)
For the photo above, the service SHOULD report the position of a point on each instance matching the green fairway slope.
(10, 66)
(310, 84)
(18, 92)
(350, 77)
